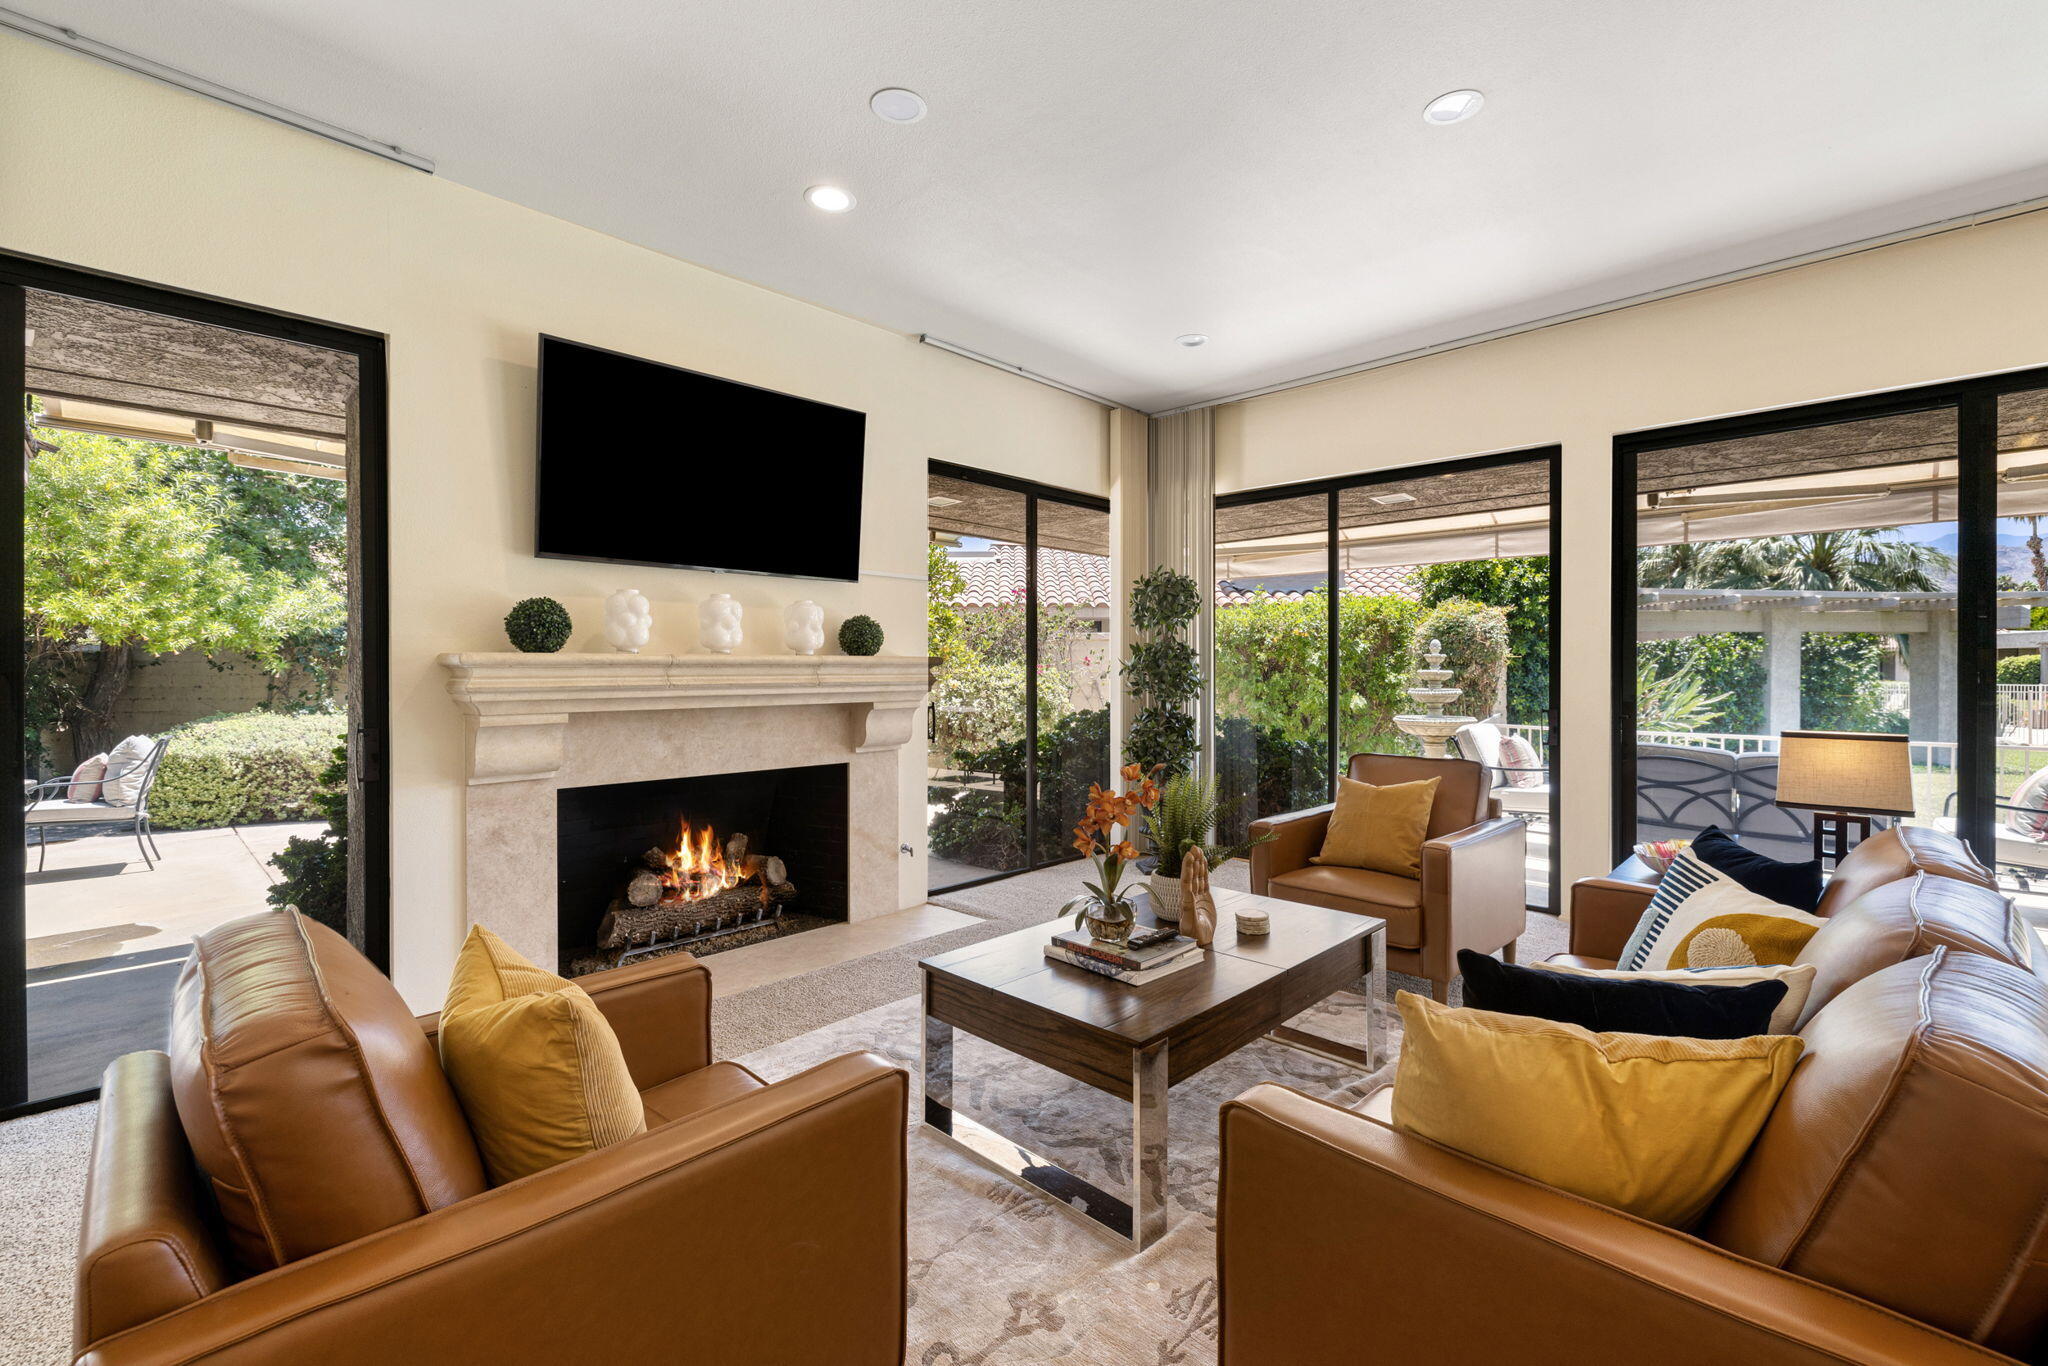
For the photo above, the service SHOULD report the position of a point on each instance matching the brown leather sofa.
(1472, 892)
(1890, 1212)
(294, 1182)
(1604, 910)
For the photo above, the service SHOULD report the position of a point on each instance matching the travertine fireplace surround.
(540, 723)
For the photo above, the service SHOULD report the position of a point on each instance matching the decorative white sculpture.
(803, 627)
(627, 620)
(718, 624)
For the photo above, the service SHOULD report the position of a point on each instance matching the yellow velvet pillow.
(533, 1061)
(1643, 1123)
(1379, 828)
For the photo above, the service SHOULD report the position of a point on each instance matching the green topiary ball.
(538, 626)
(861, 636)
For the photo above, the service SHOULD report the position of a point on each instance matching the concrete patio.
(106, 936)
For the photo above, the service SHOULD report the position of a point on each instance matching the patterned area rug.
(997, 1274)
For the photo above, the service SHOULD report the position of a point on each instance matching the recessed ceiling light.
(1192, 338)
(897, 105)
(1391, 499)
(1455, 107)
(830, 198)
(942, 502)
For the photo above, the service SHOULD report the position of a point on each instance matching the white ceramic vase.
(803, 627)
(627, 620)
(718, 624)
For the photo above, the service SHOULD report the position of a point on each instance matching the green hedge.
(2020, 669)
(236, 770)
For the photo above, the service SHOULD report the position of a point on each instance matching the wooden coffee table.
(1135, 1042)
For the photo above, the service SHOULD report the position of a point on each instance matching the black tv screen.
(644, 463)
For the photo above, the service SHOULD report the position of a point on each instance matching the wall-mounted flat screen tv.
(644, 463)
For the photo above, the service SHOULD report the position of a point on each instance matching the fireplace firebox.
(701, 863)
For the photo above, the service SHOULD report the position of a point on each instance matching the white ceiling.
(1098, 177)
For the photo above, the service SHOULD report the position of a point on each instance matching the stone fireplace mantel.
(542, 724)
(519, 705)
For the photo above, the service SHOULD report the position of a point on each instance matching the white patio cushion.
(2029, 815)
(1480, 742)
(123, 782)
(63, 812)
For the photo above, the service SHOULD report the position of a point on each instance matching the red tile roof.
(1069, 579)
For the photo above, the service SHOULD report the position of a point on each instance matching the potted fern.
(1178, 828)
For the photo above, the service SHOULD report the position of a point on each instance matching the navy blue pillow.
(1796, 885)
(1608, 1005)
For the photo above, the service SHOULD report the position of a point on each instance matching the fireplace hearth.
(701, 863)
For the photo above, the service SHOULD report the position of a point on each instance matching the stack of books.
(1135, 963)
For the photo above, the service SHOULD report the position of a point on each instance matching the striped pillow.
(1700, 917)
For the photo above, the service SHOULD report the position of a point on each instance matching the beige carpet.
(997, 1275)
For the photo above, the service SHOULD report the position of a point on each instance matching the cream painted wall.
(1963, 303)
(116, 173)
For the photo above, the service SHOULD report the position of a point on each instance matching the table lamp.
(1844, 778)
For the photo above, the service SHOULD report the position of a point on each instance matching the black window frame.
(1975, 403)
(1331, 488)
(1033, 493)
(372, 710)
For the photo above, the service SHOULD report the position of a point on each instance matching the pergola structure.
(1782, 616)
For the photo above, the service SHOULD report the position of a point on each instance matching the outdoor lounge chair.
(2018, 851)
(50, 805)
(1480, 742)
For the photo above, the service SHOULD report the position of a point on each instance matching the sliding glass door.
(1873, 565)
(1798, 579)
(196, 572)
(1020, 600)
(1328, 596)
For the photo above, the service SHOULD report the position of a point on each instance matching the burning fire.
(697, 866)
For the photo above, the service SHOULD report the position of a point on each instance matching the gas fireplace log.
(767, 867)
(644, 889)
(625, 925)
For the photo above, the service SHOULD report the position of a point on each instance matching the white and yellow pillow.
(1702, 918)
(534, 1062)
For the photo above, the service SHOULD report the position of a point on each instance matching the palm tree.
(1815, 561)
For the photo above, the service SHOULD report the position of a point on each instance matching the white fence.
(1925, 753)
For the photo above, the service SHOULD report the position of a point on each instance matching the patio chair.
(50, 805)
(1481, 743)
(2018, 851)
(1681, 790)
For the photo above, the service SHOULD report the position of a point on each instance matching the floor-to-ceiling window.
(198, 576)
(1326, 599)
(1020, 604)
(1784, 581)
(1869, 566)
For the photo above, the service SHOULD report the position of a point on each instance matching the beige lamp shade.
(1848, 771)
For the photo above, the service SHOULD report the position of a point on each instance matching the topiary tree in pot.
(1163, 672)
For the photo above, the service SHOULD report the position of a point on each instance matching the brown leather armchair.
(751, 1224)
(1472, 892)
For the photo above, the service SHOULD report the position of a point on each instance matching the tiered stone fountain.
(1430, 725)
